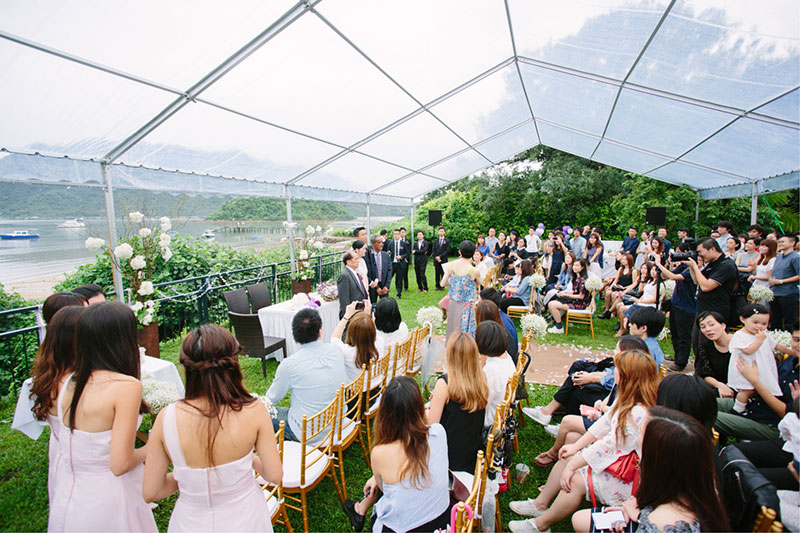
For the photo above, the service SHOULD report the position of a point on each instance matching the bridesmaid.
(462, 278)
(99, 484)
(209, 438)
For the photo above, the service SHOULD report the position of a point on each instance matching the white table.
(23, 416)
(276, 321)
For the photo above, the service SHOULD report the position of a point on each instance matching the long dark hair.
(209, 354)
(401, 417)
(678, 466)
(361, 334)
(56, 357)
(105, 339)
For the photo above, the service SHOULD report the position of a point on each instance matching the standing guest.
(350, 285)
(578, 298)
(521, 294)
(725, 230)
(441, 249)
(682, 312)
(746, 261)
(54, 363)
(492, 341)
(713, 357)
(641, 250)
(421, 250)
(492, 239)
(458, 402)
(92, 292)
(381, 267)
(501, 249)
(587, 230)
(482, 246)
(533, 243)
(360, 248)
(408, 257)
(784, 284)
(56, 301)
(230, 423)
(462, 278)
(594, 253)
(578, 243)
(662, 234)
(765, 262)
(683, 234)
(547, 251)
(732, 246)
(399, 253)
(384, 235)
(630, 243)
(558, 251)
(313, 374)
(513, 241)
(409, 467)
(99, 486)
(756, 231)
(360, 233)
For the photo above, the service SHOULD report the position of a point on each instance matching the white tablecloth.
(276, 321)
(23, 416)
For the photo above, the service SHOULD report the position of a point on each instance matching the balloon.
(539, 231)
(540, 226)
(567, 230)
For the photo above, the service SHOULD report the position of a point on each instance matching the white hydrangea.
(430, 314)
(594, 283)
(166, 224)
(284, 239)
(150, 304)
(123, 251)
(538, 281)
(138, 262)
(146, 288)
(318, 229)
(667, 288)
(663, 334)
(166, 254)
(95, 243)
(309, 230)
(303, 254)
(319, 245)
(781, 337)
(145, 232)
(137, 306)
(273, 412)
(147, 319)
(142, 351)
(164, 240)
(136, 217)
(535, 324)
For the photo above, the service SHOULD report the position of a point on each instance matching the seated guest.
(389, 325)
(677, 489)
(578, 298)
(621, 300)
(589, 383)
(625, 279)
(92, 292)
(492, 341)
(495, 297)
(690, 395)
(482, 265)
(409, 483)
(313, 374)
(563, 280)
(713, 357)
(487, 310)
(214, 473)
(481, 245)
(359, 346)
(56, 301)
(521, 294)
(647, 299)
(458, 402)
(647, 323)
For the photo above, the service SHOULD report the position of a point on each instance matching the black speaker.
(434, 218)
(656, 216)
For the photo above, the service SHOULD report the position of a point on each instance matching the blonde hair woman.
(459, 402)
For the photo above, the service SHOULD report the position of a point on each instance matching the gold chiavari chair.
(348, 422)
(274, 493)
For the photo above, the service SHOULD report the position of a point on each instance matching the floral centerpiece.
(594, 284)
(306, 247)
(760, 293)
(538, 281)
(430, 314)
(535, 324)
(158, 394)
(328, 290)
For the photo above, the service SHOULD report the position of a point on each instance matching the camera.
(360, 306)
(685, 256)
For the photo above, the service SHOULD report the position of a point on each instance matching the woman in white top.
(209, 438)
(768, 249)
(391, 330)
(642, 250)
(359, 346)
(492, 341)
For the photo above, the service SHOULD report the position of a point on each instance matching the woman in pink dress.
(98, 484)
(209, 438)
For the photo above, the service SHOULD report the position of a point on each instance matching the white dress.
(220, 498)
(764, 358)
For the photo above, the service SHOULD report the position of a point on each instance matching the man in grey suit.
(349, 284)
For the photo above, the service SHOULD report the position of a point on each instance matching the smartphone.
(605, 521)
(360, 306)
(588, 411)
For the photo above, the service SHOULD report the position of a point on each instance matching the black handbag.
(745, 490)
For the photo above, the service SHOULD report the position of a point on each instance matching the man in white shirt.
(313, 374)
(492, 239)
(533, 243)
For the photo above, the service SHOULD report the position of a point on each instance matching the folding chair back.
(274, 493)
(348, 422)
(402, 352)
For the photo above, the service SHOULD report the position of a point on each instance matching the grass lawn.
(23, 462)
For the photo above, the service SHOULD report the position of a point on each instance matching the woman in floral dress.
(462, 278)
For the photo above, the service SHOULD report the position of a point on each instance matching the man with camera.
(682, 304)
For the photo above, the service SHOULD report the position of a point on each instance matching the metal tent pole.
(411, 236)
(696, 216)
(289, 227)
(369, 220)
(754, 205)
(111, 225)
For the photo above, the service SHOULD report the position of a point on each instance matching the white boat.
(209, 234)
(72, 223)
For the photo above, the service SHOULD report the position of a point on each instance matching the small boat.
(209, 234)
(72, 223)
(19, 234)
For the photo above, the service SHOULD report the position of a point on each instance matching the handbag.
(626, 469)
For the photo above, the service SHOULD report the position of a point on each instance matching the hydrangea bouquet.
(760, 292)
(538, 281)
(306, 247)
(594, 284)
(534, 323)
(430, 314)
(158, 394)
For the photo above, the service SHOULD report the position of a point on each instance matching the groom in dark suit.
(441, 249)
(421, 250)
(380, 270)
(349, 284)
(400, 253)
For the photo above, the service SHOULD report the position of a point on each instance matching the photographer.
(716, 283)
(682, 312)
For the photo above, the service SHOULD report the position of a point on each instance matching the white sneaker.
(537, 414)
(552, 429)
(526, 508)
(524, 526)
(555, 330)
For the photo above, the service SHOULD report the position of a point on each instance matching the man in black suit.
(421, 250)
(441, 248)
(408, 257)
(350, 285)
(399, 252)
(380, 270)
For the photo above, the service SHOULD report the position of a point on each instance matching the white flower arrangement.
(318, 229)
(123, 251)
(136, 217)
(760, 292)
(667, 288)
(273, 412)
(158, 394)
(430, 314)
(303, 255)
(663, 334)
(164, 240)
(145, 232)
(166, 224)
(146, 288)
(94, 243)
(781, 337)
(138, 262)
(593, 284)
(535, 324)
(166, 254)
(538, 281)
(309, 230)
(319, 245)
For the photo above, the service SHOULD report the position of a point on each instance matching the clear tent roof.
(338, 99)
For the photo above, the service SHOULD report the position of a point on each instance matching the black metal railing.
(182, 304)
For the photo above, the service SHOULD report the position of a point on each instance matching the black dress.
(464, 435)
(711, 362)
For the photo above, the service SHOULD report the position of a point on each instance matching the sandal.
(543, 460)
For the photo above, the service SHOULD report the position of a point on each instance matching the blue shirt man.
(630, 243)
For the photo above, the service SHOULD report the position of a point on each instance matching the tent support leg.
(754, 205)
(411, 237)
(696, 216)
(289, 232)
(111, 225)
(369, 220)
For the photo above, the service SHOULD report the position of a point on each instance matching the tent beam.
(111, 227)
(519, 71)
(369, 219)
